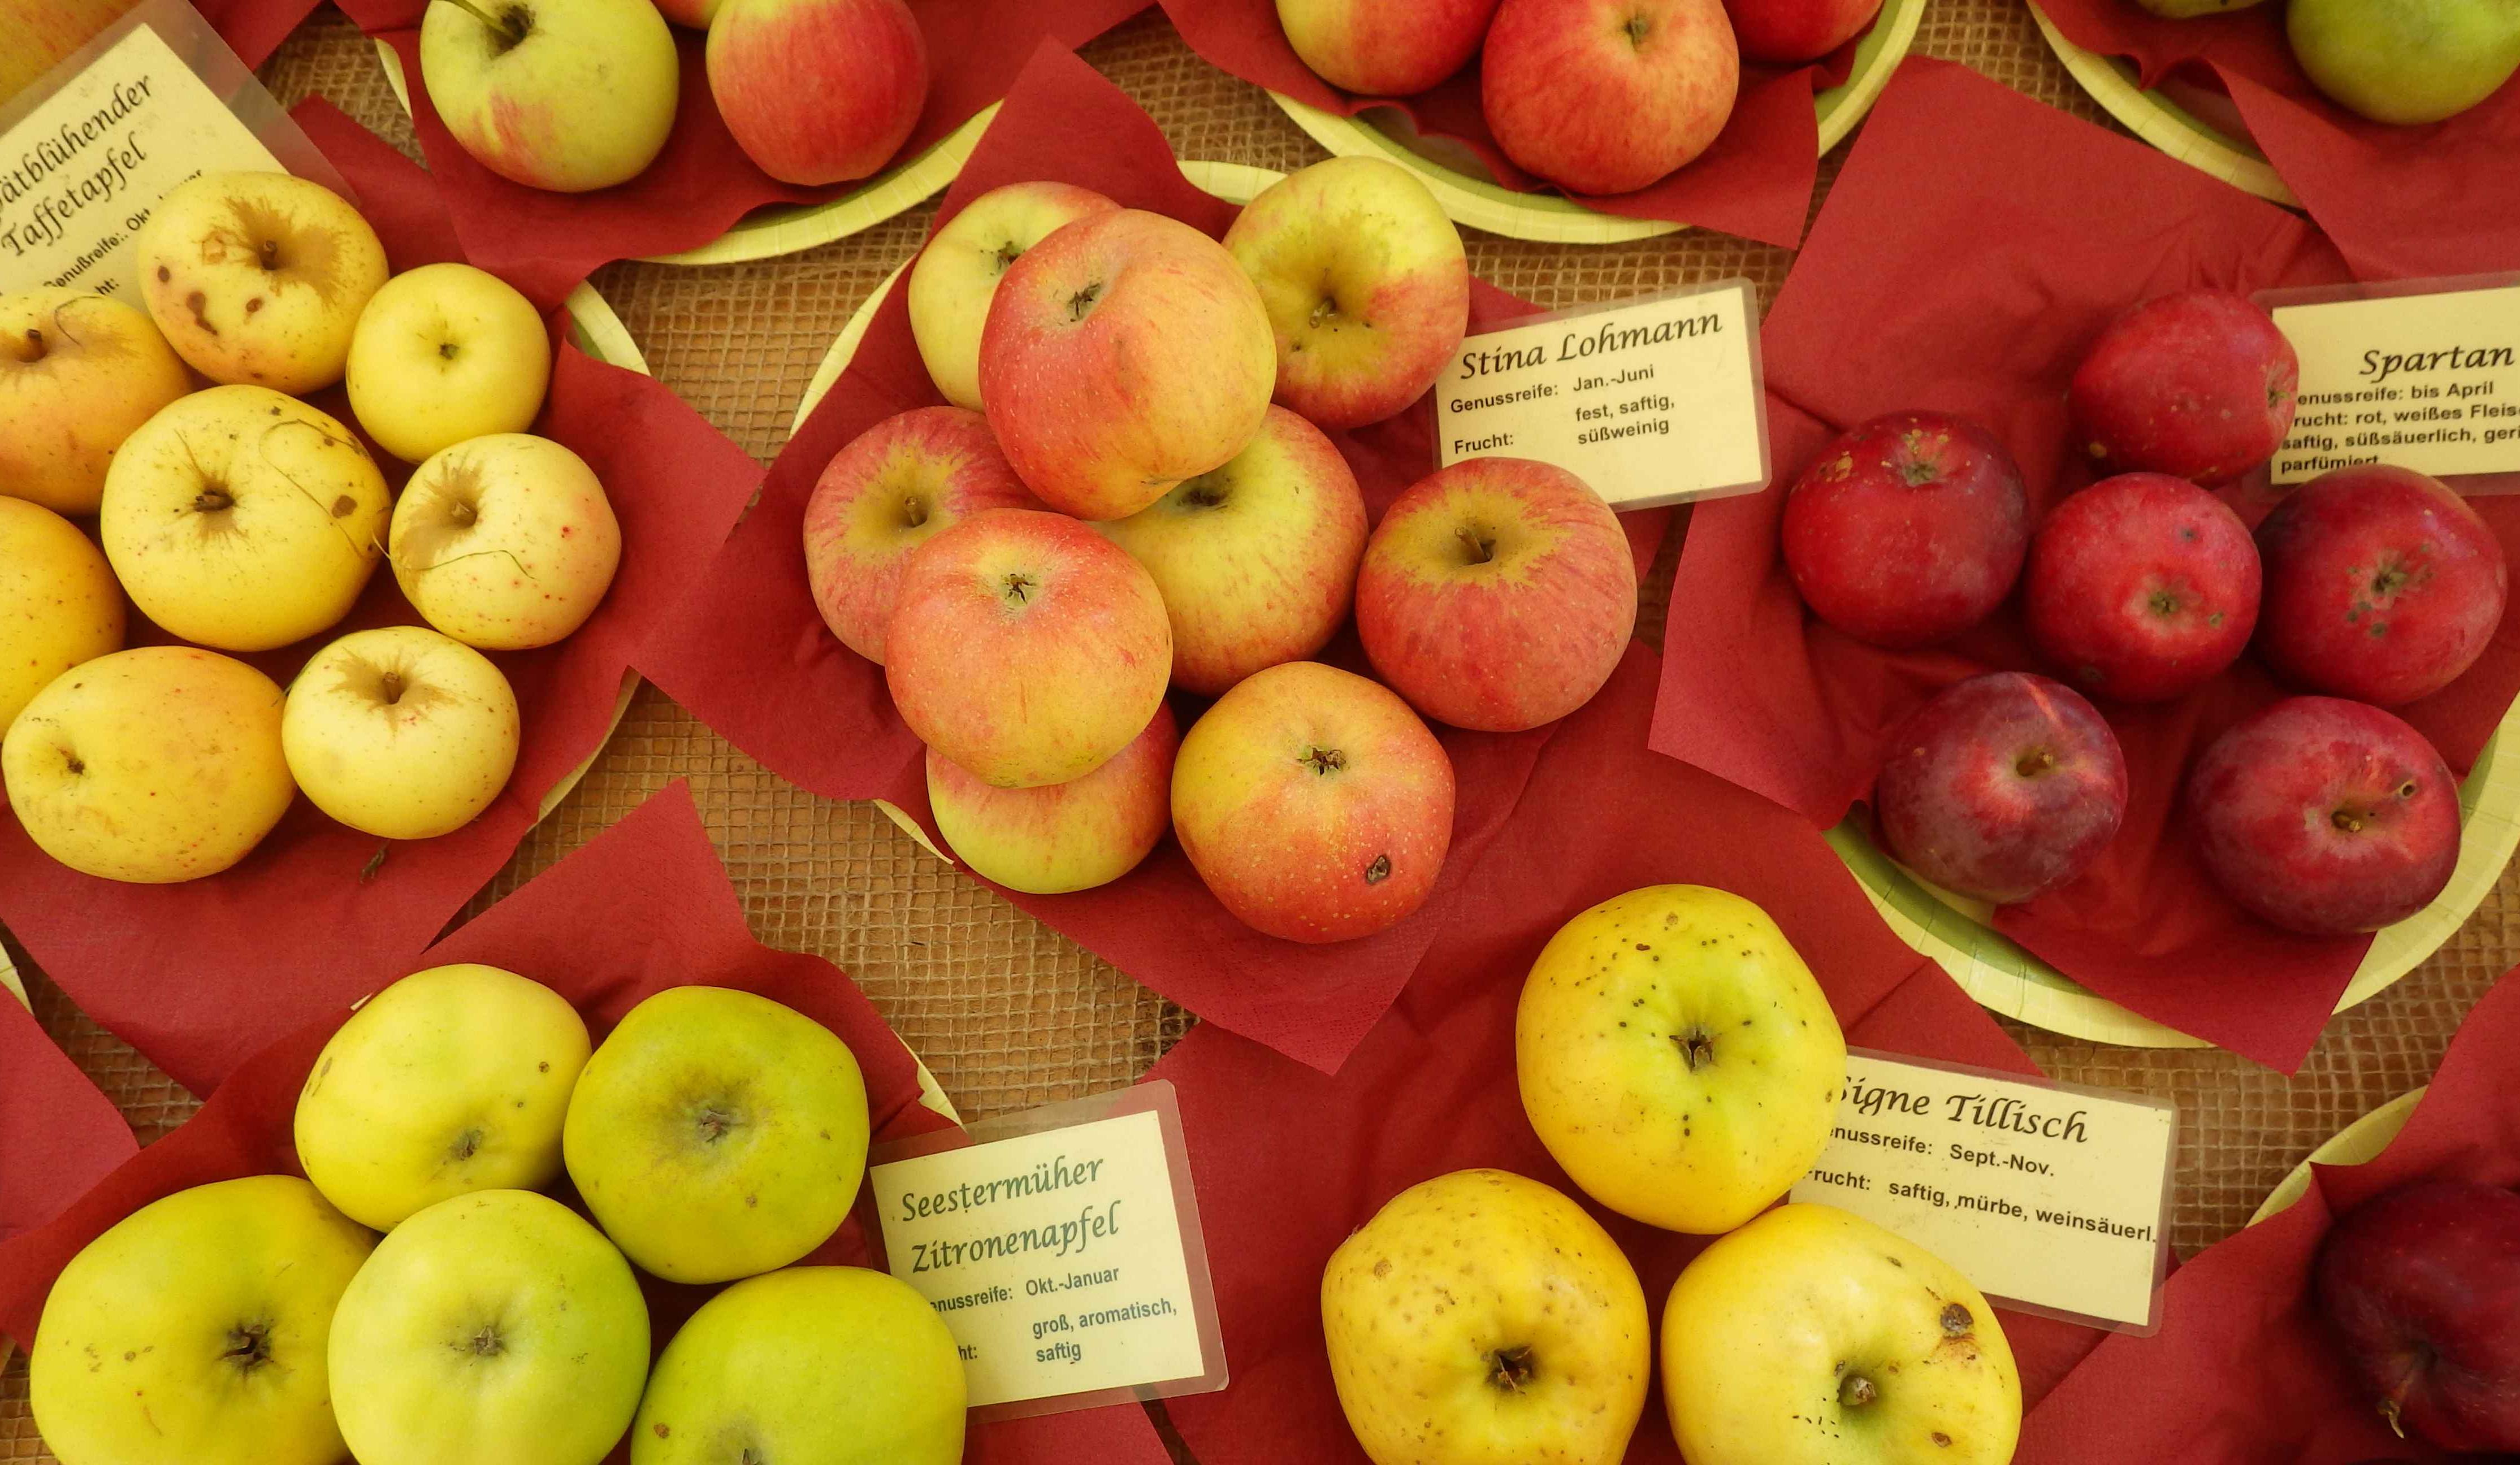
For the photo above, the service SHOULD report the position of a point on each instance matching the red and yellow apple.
(59, 604)
(1379, 48)
(1607, 96)
(956, 275)
(259, 277)
(1788, 32)
(80, 373)
(567, 95)
(817, 91)
(1057, 837)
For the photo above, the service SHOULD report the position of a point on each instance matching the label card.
(2051, 1199)
(1650, 401)
(1062, 1249)
(2422, 374)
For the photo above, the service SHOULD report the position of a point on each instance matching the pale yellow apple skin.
(1059, 837)
(495, 1328)
(78, 372)
(150, 765)
(443, 353)
(59, 604)
(505, 543)
(836, 1365)
(258, 278)
(1482, 1319)
(1678, 1058)
(453, 1080)
(956, 275)
(1812, 1337)
(400, 731)
(195, 1331)
(717, 1134)
(585, 101)
(243, 520)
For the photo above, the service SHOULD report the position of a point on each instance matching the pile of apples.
(2367, 588)
(1113, 507)
(716, 1137)
(241, 518)
(2401, 63)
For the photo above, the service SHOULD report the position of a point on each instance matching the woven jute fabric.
(1010, 1014)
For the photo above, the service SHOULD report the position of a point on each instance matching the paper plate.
(1461, 184)
(2163, 123)
(2361, 1142)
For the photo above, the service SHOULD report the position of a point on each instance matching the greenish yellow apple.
(155, 765)
(1677, 1057)
(1057, 837)
(956, 275)
(821, 1365)
(59, 604)
(2406, 61)
(78, 372)
(717, 1134)
(1482, 1319)
(400, 731)
(567, 95)
(1812, 1337)
(453, 1080)
(195, 1331)
(443, 353)
(506, 542)
(495, 1328)
(259, 277)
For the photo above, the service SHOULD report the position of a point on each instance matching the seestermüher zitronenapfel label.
(2429, 381)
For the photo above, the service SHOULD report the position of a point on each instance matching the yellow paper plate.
(1461, 184)
(2360, 1143)
(2163, 124)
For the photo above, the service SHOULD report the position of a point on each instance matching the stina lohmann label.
(2429, 381)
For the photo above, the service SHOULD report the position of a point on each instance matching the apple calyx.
(249, 1346)
(485, 1344)
(1637, 27)
(1019, 588)
(508, 29)
(214, 498)
(1856, 1391)
(1081, 304)
(715, 1122)
(1323, 761)
(1207, 491)
(2034, 763)
(467, 1144)
(1511, 1368)
(1005, 255)
(1378, 869)
(1696, 1048)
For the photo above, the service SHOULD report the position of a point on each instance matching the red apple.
(1497, 595)
(2198, 383)
(2421, 1286)
(1788, 33)
(1607, 96)
(1314, 803)
(2003, 787)
(1385, 50)
(1060, 837)
(1907, 529)
(2382, 585)
(2326, 817)
(2142, 587)
(817, 91)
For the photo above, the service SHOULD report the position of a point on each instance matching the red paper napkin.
(200, 975)
(751, 656)
(1756, 180)
(254, 28)
(1973, 246)
(58, 1134)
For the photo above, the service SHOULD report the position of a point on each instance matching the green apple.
(716, 1135)
(567, 95)
(2406, 60)
(193, 1332)
(819, 1366)
(497, 1328)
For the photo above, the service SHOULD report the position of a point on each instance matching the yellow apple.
(443, 353)
(78, 372)
(505, 542)
(1812, 1337)
(195, 1332)
(450, 1080)
(1482, 1319)
(400, 731)
(44, 32)
(155, 765)
(956, 275)
(259, 277)
(569, 95)
(1678, 1058)
(59, 604)
(1056, 838)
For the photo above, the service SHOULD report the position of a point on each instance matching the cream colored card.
(2429, 381)
(1650, 401)
(2048, 1198)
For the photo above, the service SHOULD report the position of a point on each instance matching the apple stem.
(2347, 820)
(506, 29)
(2034, 763)
(1480, 543)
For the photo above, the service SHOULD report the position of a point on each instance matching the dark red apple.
(2421, 1285)
(2198, 383)
(2001, 788)
(2140, 586)
(2326, 817)
(2382, 585)
(1786, 32)
(1907, 529)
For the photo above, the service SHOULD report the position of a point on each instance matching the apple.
(2326, 817)
(1256, 559)
(1059, 837)
(1812, 1337)
(1383, 50)
(1314, 803)
(494, 1328)
(78, 372)
(258, 278)
(1365, 284)
(42, 33)
(1497, 595)
(696, 14)
(893, 488)
(817, 91)
(1788, 32)
(443, 353)
(1026, 647)
(2197, 383)
(506, 542)
(956, 277)
(1124, 354)
(2382, 585)
(716, 1135)
(567, 95)
(59, 604)
(1907, 529)
(151, 765)
(2407, 62)
(752, 1375)
(1608, 95)
(2421, 1286)
(400, 731)
(1678, 1058)
(195, 1331)
(2142, 587)
(2003, 787)
(1482, 1319)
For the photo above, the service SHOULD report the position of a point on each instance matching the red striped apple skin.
(1379, 48)
(1062, 838)
(1608, 95)
(817, 91)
